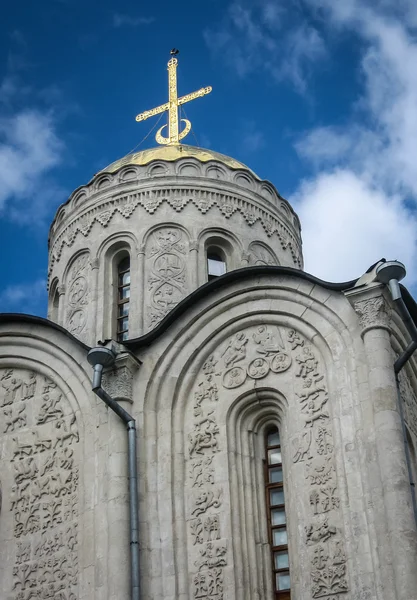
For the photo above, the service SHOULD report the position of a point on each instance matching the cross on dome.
(174, 133)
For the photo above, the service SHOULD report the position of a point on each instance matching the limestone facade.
(263, 346)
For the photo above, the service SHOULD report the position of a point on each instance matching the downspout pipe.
(391, 273)
(104, 357)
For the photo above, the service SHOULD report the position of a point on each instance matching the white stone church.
(275, 413)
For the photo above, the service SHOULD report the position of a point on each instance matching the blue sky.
(319, 97)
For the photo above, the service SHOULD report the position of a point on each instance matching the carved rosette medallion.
(373, 313)
(78, 296)
(40, 480)
(264, 353)
(166, 255)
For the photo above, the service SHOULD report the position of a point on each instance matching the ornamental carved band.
(39, 473)
(372, 313)
(279, 358)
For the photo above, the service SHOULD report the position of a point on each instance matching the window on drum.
(277, 521)
(123, 299)
(216, 264)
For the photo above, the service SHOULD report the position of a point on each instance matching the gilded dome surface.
(171, 154)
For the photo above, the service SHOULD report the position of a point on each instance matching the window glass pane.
(124, 309)
(273, 439)
(278, 516)
(123, 336)
(216, 267)
(275, 475)
(274, 457)
(124, 293)
(279, 537)
(281, 560)
(124, 279)
(282, 581)
(276, 497)
(124, 265)
(123, 323)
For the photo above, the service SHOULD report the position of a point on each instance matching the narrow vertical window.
(123, 299)
(216, 265)
(277, 521)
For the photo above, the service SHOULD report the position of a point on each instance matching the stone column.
(194, 279)
(394, 521)
(141, 304)
(117, 381)
(245, 259)
(61, 304)
(94, 290)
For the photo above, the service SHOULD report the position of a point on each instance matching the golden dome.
(171, 154)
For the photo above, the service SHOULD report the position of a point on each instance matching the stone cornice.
(133, 176)
(178, 198)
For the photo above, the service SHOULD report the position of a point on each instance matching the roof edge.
(222, 281)
(33, 320)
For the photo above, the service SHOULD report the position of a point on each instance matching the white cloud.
(253, 36)
(29, 149)
(27, 297)
(120, 20)
(348, 225)
(357, 207)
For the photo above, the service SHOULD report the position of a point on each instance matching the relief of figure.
(207, 390)
(302, 446)
(235, 350)
(50, 409)
(319, 532)
(206, 500)
(212, 556)
(258, 368)
(267, 344)
(203, 440)
(307, 363)
(29, 387)
(25, 469)
(14, 419)
(11, 385)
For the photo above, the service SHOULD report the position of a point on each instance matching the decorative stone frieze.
(40, 476)
(274, 357)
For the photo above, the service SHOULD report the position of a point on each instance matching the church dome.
(166, 220)
(171, 154)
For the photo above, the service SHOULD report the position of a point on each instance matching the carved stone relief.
(118, 383)
(77, 296)
(409, 399)
(167, 277)
(41, 474)
(259, 255)
(204, 200)
(372, 312)
(252, 354)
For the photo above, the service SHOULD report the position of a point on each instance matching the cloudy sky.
(318, 96)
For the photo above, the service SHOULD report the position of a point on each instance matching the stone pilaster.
(394, 522)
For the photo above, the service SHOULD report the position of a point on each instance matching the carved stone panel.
(279, 358)
(77, 296)
(39, 474)
(166, 257)
(260, 255)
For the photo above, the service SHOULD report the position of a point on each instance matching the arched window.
(216, 263)
(277, 521)
(123, 299)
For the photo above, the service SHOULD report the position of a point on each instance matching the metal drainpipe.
(106, 357)
(390, 273)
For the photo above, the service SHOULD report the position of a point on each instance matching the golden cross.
(174, 134)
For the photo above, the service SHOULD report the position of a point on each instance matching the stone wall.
(165, 219)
